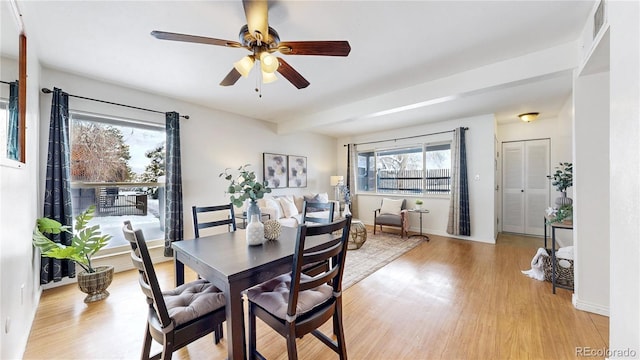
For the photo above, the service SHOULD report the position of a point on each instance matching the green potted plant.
(562, 179)
(86, 242)
(419, 203)
(245, 186)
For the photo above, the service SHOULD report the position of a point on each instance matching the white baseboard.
(589, 307)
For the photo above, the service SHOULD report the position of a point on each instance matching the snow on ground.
(150, 225)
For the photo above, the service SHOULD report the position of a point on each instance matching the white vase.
(255, 231)
(346, 210)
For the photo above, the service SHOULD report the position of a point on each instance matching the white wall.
(19, 273)
(624, 325)
(480, 150)
(591, 184)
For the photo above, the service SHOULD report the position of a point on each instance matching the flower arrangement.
(346, 194)
(244, 186)
(563, 177)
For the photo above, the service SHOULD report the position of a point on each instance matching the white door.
(525, 187)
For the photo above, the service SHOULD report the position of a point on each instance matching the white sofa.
(287, 209)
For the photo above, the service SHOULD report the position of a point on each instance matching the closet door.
(525, 193)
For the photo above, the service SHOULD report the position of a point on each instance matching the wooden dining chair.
(179, 316)
(200, 212)
(310, 208)
(329, 208)
(296, 304)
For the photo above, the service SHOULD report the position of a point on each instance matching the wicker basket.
(564, 270)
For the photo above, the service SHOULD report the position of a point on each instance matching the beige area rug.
(376, 252)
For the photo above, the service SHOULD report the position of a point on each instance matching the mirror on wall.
(12, 86)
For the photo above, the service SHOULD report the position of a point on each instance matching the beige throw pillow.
(390, 206)
(288, 207)
(274, 204)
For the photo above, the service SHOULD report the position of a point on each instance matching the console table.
(554, 226)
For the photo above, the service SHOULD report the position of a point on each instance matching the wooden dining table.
(230, 264)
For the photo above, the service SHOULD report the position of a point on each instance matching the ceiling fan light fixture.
(268, 62)
(244, 65)
(268, 77)
(528, 117)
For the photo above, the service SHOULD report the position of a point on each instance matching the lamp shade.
(244, 65)
(527, 117)
(268, 77)
(268, 62)
(336, 180)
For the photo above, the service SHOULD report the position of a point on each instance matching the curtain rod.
(48, 91)
(404, 138)
(6, 82)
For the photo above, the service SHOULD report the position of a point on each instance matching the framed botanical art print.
(297, 171)
(275, 170)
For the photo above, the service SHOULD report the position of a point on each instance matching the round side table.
(358, 235)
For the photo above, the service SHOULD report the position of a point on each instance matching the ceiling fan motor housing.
(250, 41)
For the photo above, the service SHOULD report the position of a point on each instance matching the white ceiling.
(396, 46)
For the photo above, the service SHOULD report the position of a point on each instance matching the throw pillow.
(299, 201)
(314, 200)
(288, 207)
(323, 197)
(390, 206)
(275, 205)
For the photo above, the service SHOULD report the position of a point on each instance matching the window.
(414, 170)
(115, 165)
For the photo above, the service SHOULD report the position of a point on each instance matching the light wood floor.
(445, 299)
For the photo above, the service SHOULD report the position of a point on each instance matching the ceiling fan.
(262, 40)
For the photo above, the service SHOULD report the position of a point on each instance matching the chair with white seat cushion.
(179, 316)
(296, 304)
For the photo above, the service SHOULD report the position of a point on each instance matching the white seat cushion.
(192, 300)
(273, 296)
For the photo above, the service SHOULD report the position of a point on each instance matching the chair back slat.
(226, 209)
(148, 281)
(329, 206)
(333, 254)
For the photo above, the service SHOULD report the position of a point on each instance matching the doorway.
(525, 186)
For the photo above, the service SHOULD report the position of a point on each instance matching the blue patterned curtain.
(13, 150)
(57, 195)
(459, 221)
(174, 226)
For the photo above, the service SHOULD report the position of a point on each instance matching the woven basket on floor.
(564, 270)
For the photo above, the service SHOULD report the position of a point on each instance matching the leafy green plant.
(244, 186)
(86, 242)
(563, 177)
(419, 202)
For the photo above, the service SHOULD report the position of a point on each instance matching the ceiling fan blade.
(163, 35)
(292, 75)
(231, 78)
(257, 13)
(325, 48)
